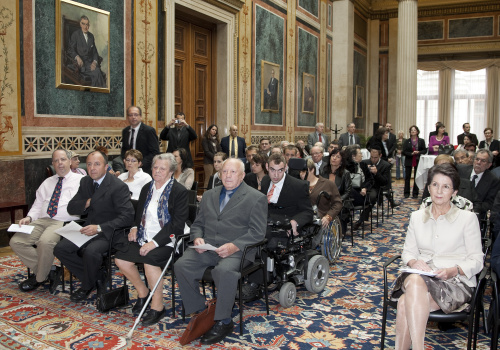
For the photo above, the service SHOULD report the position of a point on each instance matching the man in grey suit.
(349, 138)
(231, 217)
(318, 136)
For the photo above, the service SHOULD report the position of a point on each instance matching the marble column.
(406, 94)
(343, 63)
(373, 73)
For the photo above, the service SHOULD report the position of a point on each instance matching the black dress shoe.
(29, 284)
(81, 294)
(357, 225)
(139, 304)
(153, 317)
(56, 279)
(217, 333)
(415, 196)
(395, 205)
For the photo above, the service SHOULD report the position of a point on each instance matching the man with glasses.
(461, 156)
(483, 182)
(288, 198)
(141, 137)
(317, 154)
(48, 213)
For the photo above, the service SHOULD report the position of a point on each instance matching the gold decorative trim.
(459, 48)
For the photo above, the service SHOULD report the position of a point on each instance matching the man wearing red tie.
(288, 198)
(48, 213)
(318, 136)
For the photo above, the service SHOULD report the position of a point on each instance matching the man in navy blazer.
(106, 201)
(288, 198)
(83, 50)
(179, 136)
(141, 137)
(236, 149)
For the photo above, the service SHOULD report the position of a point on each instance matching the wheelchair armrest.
(249, 247)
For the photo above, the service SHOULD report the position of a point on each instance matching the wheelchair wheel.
(318, 270)
(331, 240)
(287, 295)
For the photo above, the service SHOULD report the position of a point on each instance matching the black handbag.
(446, 149)
(106, 300)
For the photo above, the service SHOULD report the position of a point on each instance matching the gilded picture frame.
(308, 93)
(82, 47)
(270, 87)
(359, 102)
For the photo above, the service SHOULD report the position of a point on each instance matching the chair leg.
(173, 293)
(384, 321)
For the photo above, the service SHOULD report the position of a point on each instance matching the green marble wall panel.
(269, 47)
(470, 27)
(311, 6)
(49, 99)
(307, 63)
(359, 79)
(430, 30)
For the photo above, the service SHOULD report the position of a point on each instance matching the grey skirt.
(451, 295)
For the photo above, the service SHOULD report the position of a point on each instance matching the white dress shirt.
(277, 190)
(152, 226)
(140, 179)
(70, 186)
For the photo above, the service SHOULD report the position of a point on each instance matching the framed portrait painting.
(82, 47)
(270, 87)
(308, 93)
(360, 102)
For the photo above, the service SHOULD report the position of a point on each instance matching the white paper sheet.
(24, 229)
(72, 232)
(420, 272)
(205, 246)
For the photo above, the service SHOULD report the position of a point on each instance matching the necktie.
(96, 186)
(474, 178)
(232, 148)
(132, 139)
(351, 141)
(320, 139)
(226, 199)
(54, 200)
(270, 194)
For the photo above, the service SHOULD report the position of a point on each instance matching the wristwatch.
(99, 230)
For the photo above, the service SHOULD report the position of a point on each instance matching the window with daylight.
(427, 102)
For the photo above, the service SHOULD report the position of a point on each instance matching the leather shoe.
(357, 225)
(407, 195)
(395, 205)
(29, 284)
(56, 279)
(139, 304)
(415, 196)
(250, 292)
(153, 317)
(217, 333)
(81, 294)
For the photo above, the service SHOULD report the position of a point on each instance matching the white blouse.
(140, 179)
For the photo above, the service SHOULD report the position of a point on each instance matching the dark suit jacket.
(344, 139)
(408, 150)
(177, 207)
(391, 144)
(485, 190)
(312, 138)
(209, 150)
(146, 142)
(343, 183)
(187, 135)
(382, 179)
(293, 202)
(110, 205)
(224, 143)
(230, 225)
(495, 146)
(473, 137)
(87, 50)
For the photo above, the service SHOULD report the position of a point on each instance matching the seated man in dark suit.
(106, 201)
(231, 217)
(472, 137)
(380, 177)
(288, 198)
(483, 182)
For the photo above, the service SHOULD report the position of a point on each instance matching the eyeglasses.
(316, 153)
(131, 160)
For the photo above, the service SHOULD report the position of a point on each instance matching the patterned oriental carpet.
(346, 315)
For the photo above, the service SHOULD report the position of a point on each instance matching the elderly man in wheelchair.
(292, 258)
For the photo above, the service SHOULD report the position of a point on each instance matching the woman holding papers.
(445, 241)
(161, 213)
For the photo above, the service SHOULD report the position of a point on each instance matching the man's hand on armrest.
(199, 241)
(226, 250)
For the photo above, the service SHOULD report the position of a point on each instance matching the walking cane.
(129, 334)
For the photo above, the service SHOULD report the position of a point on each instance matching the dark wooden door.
(194, 92)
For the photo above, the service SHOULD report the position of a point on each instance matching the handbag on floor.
(107, 300)
(199, 324)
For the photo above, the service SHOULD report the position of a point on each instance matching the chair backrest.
(195, 186)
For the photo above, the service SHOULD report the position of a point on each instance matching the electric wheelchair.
(303, 259)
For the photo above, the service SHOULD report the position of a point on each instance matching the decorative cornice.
(232, 6)
(446, 49)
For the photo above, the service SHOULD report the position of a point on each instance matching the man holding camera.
(179, 134)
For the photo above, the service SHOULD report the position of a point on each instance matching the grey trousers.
(41, 258)
(189, 271)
